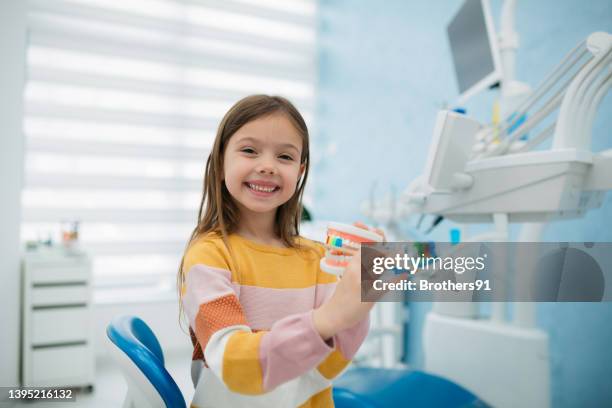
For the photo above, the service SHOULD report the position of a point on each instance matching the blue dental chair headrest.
(132, 336)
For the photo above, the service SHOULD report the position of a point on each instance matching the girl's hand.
(344, 308)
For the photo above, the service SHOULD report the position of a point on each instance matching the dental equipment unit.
(487, 174)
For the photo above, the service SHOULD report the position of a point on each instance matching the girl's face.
(262, 163)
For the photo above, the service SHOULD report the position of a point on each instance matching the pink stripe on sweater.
(204, 284)
(265, 306)
(289, 349)
(349, 340)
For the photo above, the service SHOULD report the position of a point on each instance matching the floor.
(110, 387)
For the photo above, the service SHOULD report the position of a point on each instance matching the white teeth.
(260, 188)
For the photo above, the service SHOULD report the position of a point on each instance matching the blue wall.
(384, 71)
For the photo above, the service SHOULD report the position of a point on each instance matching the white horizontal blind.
(122, 102)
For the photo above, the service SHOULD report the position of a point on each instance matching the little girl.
(269, 328)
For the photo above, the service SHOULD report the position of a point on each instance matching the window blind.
(122, 102)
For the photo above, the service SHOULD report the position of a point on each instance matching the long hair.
(218, 211)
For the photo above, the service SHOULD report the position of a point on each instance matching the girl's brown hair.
(218, 212)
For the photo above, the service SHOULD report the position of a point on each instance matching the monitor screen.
(473, 48)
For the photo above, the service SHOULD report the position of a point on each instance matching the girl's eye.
(247, 150)
(286, 157)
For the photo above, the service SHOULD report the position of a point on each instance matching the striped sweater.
(250, 317)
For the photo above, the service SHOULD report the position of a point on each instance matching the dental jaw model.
(341, 238)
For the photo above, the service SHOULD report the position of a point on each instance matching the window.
(122, 103)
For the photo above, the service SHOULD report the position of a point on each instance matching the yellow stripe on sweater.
(298, 269)
(333, 364)
(241, 369)
(322, 399)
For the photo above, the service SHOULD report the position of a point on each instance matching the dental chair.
(141, 360)
(140, 357)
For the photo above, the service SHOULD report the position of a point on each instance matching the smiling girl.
(269, 328)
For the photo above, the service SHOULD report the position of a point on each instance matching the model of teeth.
(339, 238)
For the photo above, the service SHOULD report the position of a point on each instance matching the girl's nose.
(266, 167)
(267, 170)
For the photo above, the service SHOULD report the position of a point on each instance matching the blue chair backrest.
(137, 341)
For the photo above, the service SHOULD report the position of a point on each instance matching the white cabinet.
(57, 319)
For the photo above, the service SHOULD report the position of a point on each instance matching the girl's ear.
(302, 167)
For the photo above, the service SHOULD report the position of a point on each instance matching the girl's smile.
(262, 188)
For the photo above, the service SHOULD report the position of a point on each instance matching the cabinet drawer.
(59, 295)
(60, 325)
(58, 274)
(62, 366)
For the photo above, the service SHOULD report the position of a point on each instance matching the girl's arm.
(343, 316)
(345, 309)
(347, 340)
